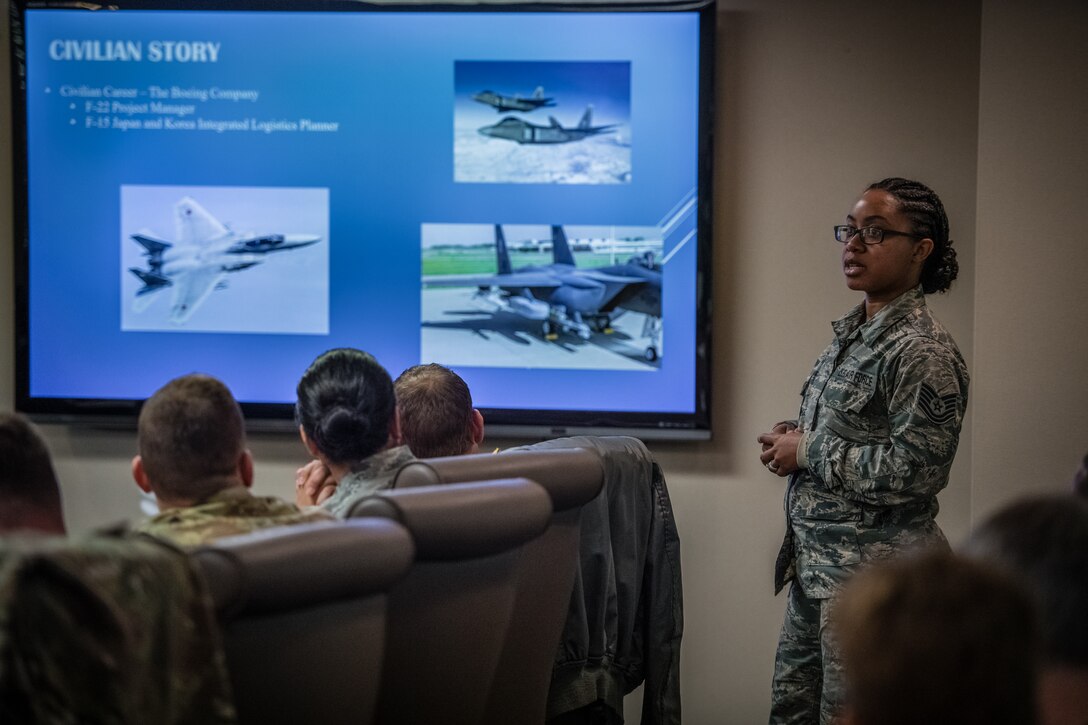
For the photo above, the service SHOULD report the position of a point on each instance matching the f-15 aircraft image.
(523, 132)
(204, 251)
(515, 103)
(560, 296)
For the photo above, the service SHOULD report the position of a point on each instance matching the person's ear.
(395, 437)
(245, 468)
(310, 445)
(477, 428)
(139, 475)
(922, 250)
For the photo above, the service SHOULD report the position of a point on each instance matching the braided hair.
(345, 404)
(927, 216)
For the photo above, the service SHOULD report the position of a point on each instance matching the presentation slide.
(511, 194)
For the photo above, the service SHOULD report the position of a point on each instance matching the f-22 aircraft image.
(515, 103)
(523, 132)
(560, 296)
(204, 251)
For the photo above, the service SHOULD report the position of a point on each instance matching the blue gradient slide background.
(387, 79)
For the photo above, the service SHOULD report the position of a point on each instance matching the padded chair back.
(565, 473)
(572, 477)
(302, 609)
(447, 620)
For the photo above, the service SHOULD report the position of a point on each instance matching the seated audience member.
(29, 494)
(108, 627)
(1043, 542)
(436, 413)
(936, 639)
(347, 416)
(191, 438)
(435, 417)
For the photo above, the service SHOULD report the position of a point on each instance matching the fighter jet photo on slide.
(515, 129)
(515, 103)
(203, 252)
(644, 299)
(562, 297)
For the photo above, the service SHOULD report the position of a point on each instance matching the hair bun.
(340, 428)
(345, 404)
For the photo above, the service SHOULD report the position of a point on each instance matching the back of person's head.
(191, 438)
(29, 494)
(436, 413)
(346, 405)
(936, 639)
(1043, 542)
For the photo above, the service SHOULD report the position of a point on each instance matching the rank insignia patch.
(940, 409)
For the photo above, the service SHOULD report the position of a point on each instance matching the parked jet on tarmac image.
(203, 252)
(523, 132)
(515, 103)
(642, 298)
(562, 297)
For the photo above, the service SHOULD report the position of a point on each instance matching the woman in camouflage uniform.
(347, 418)
(878, 429)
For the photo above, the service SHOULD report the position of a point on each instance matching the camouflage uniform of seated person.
(193, 458)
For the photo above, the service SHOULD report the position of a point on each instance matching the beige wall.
(984, 102)
(1031, 306)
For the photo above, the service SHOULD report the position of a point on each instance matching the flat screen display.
(521, 194)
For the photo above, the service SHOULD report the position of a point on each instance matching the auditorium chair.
(302, 611)
(572, 478)
(448, 618)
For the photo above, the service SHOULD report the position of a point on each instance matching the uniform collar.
(232, 493)
(854, 320)
(382, 461)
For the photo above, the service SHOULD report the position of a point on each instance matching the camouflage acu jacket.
(228, 513)
(881, 414)
(373, 474)
(107, 628)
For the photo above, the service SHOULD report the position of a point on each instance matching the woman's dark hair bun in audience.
(926, 212)
(345, 404)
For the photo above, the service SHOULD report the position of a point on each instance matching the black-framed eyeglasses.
(870, 235)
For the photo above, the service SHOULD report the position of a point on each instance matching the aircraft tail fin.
(194, 224)
(539, 92)
(554, 122)
(152, 282)
(153, 245)
(153, 248)
(560, 248)
(502, 256)
(587, 118)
